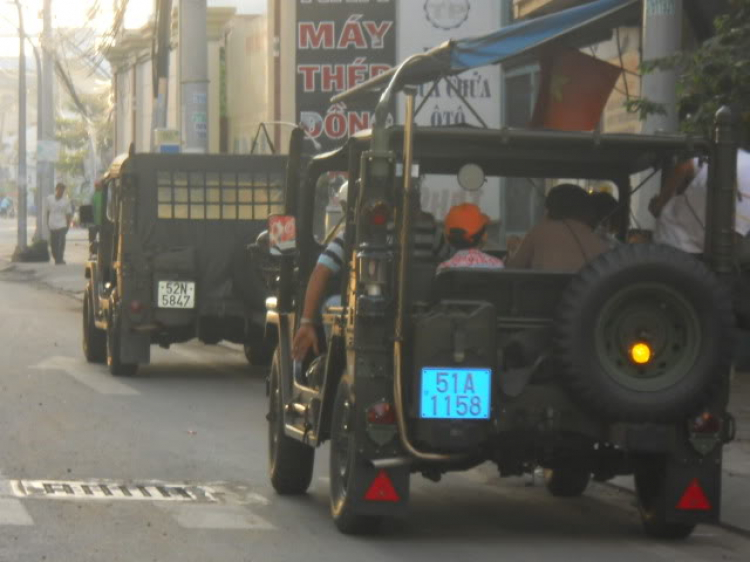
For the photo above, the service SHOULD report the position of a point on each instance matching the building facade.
(130, 58)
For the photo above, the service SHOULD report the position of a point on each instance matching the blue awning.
(518, 38)
(574, 27)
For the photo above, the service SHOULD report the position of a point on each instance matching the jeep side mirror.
(282, 234)
(86, 215)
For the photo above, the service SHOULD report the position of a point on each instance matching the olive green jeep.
(171, 262)
(619, 369)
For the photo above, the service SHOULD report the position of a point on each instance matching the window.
(522, 199)
(218, 196)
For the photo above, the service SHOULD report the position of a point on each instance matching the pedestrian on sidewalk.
(59, 215)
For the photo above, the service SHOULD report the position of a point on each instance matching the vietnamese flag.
(573, 91)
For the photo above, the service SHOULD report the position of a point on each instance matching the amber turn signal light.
(640, 353)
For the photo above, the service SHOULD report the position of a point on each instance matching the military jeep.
(619, 369)
(171, 262)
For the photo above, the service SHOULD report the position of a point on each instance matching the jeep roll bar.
(722, 196)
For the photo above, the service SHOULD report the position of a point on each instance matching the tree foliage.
(717, 73)
(74, 131)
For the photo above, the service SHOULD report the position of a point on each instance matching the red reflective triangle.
(694, 498)
(382, 490)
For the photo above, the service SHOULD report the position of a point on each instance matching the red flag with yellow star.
(573, 91)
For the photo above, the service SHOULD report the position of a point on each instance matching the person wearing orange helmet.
(466, 231)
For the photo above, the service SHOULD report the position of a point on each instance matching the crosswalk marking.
(110, 490)
(200, 359)
(227, 517)
(6, 488)
(214, 506)
(95, 377)
(12, 512)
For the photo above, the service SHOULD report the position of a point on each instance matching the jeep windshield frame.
(508, 152)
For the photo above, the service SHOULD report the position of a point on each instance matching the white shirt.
(682, 221)
(59, 210)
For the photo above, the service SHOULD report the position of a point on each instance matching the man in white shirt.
(59, 215)
(680, 207)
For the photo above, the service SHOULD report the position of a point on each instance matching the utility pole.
(47, 125)
(662, 37)
(22, 246)
(194, 75)
(161, 65)
(39, 110)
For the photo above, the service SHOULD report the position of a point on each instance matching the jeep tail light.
(136, 307)
(378, 214)
(381, 413)
(706, 423)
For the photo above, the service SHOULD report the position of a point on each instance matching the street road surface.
(170, 465)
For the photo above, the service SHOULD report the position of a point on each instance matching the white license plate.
(176, 294)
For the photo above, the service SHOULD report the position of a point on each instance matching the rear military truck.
(171, 262)
(622, 368)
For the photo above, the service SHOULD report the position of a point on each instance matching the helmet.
(465, 221)
(343, 193)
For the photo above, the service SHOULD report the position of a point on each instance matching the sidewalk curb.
(722, 524)
(8, 266)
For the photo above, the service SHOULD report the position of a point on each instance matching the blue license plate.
(456, 394)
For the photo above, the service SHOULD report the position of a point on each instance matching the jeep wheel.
(566, 481)
(650, 483)
(657, 299)
(346, 466)
(290, 463)
(94, 339)
(114, 338)
(258, 353)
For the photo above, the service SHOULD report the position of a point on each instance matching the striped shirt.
(428, 243)
(333, 256)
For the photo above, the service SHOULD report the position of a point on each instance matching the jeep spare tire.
(644, 334)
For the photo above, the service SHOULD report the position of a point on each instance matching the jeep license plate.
(458, 394)
(176, 294)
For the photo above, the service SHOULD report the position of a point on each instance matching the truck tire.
(644, 293)
(290, 462)
(346, 466)
(650, 483)
(566, 481)
(114, 336)
(94, 339)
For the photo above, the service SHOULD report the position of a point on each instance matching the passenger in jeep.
(427, 245)
(563, 240)
(466, 231)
